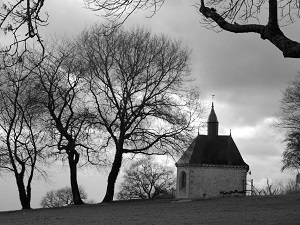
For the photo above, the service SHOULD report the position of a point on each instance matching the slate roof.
(219, 151)
(212, 149)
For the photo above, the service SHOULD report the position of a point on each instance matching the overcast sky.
(245, 73)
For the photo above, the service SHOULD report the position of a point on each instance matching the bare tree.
(291, 154)
(61, 93)
(146, 179)
(14, 17)
(29, 15)
(139, 92)
(271, 188)
(23, 137)
(118, 11)
(289, 125)
(237, 16)
(278, 188)
(61, 197)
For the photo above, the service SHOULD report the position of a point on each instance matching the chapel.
(211, 166)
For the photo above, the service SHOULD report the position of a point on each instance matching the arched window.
(182, 182)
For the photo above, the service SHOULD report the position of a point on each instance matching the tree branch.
(270, 32)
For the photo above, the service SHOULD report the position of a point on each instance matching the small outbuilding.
(211, 166)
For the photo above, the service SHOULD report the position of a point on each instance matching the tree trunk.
(24, 197)
(112, 177)
(73, 176)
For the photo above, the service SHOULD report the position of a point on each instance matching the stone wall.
(208, 181)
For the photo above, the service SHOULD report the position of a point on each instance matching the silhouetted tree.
(289, 124)
(14, 17)
(147, 179)
(139, 91)
(23, 137)
(291, 154)
(61, 197)
(30, 15)
(235, 16)
(118, 11)
(61, 93)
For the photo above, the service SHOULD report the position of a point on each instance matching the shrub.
(60, 197)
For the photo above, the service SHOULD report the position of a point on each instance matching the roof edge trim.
(212, 165)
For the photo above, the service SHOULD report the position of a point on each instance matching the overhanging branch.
(270, 32)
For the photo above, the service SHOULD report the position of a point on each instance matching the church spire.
(212, 124)
(212, 116)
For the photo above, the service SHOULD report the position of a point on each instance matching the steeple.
(212, 124)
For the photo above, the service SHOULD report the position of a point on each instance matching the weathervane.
(212, 99)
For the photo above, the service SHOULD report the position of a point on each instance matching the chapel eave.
(246, 167)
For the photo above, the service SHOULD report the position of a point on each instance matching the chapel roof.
(219, 151)
(212, 149)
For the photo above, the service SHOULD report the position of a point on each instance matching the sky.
(245, 73)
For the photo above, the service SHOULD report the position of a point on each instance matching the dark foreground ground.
(225, 210)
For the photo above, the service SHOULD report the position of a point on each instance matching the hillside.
(225, 210)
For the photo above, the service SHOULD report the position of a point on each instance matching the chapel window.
(182, 182)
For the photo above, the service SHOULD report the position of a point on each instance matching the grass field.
(284, 209)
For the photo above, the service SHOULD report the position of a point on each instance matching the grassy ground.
(283, 209)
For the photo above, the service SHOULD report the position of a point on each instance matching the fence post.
(251, 193)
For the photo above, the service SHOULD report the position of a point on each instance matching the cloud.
(262, 150)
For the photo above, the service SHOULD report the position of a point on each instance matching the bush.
(278, 188)
(60, 197)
